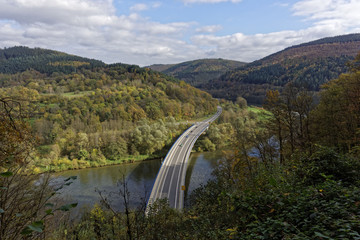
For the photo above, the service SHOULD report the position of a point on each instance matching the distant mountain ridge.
(198, 72)
(309, 64)
(337, 39)
(21, 58)
(325, 47)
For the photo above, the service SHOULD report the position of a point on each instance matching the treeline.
(310, 74)
(19, 59)
(222, 132)
(337, 39)
(253, 93)
(252, 84)
(303, 182)
(199, 71)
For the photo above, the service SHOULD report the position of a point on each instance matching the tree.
(241, 102)
(337, 118)
(291, 119)
(303, 106)
(207, 145)
(24, 205)
(15, 138)
(275, 105)
(114, 149)
(289, 96)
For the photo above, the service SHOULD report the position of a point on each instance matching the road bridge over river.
(170, 181)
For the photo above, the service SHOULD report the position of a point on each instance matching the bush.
(313, 198)
(327, 163)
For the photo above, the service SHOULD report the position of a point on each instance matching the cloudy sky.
(148, 32)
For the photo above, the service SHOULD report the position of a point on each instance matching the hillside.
(302, 184)
(198, 72)
(97, 113)
(20, 58)
(309, 65)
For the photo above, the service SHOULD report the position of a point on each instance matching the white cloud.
(332, 14)
(209, 29)
(281, 4)
(142, 6)
(252, 47)
(139, 7)
(327, 18)
(210, 1)
(91, 28)
(54, 11)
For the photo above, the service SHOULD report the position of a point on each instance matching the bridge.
(170, 181)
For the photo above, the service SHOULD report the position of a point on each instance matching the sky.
(173, 31)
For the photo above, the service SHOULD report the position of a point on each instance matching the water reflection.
(145, 171)
(140, 178)
(200, 167)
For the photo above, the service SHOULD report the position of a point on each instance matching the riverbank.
(140, 178)
(65, 164)
(41, 165)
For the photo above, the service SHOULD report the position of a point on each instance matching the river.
(140, 178)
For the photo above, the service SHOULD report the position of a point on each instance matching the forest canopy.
(309, 65)
(84, 112)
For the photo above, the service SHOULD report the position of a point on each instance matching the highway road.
(170, 181)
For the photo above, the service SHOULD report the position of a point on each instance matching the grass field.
(260, 112)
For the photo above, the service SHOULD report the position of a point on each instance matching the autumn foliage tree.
(24, 197)
(291, 116)
(337, 115)
(275, 105)
(15, 140)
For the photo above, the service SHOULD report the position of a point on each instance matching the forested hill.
(310, 65)
(92, 113)
(19, 59)
(200, 71)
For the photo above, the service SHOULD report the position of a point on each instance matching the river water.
(140, 178)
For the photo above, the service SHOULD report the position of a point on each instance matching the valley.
(298, 109)
(308, 65)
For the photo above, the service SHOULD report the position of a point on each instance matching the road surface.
(170, 181)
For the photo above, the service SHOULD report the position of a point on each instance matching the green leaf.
(317, 234)
(69, 178)
(26, 231)
(3, 188)
(67, 207)
(18, 214)
(2, 210)
(6, 174)
(74, 205)
(49, 212)
(49, 205)
(37, 226)
(272, 182)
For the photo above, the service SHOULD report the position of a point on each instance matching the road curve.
(170, 181)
